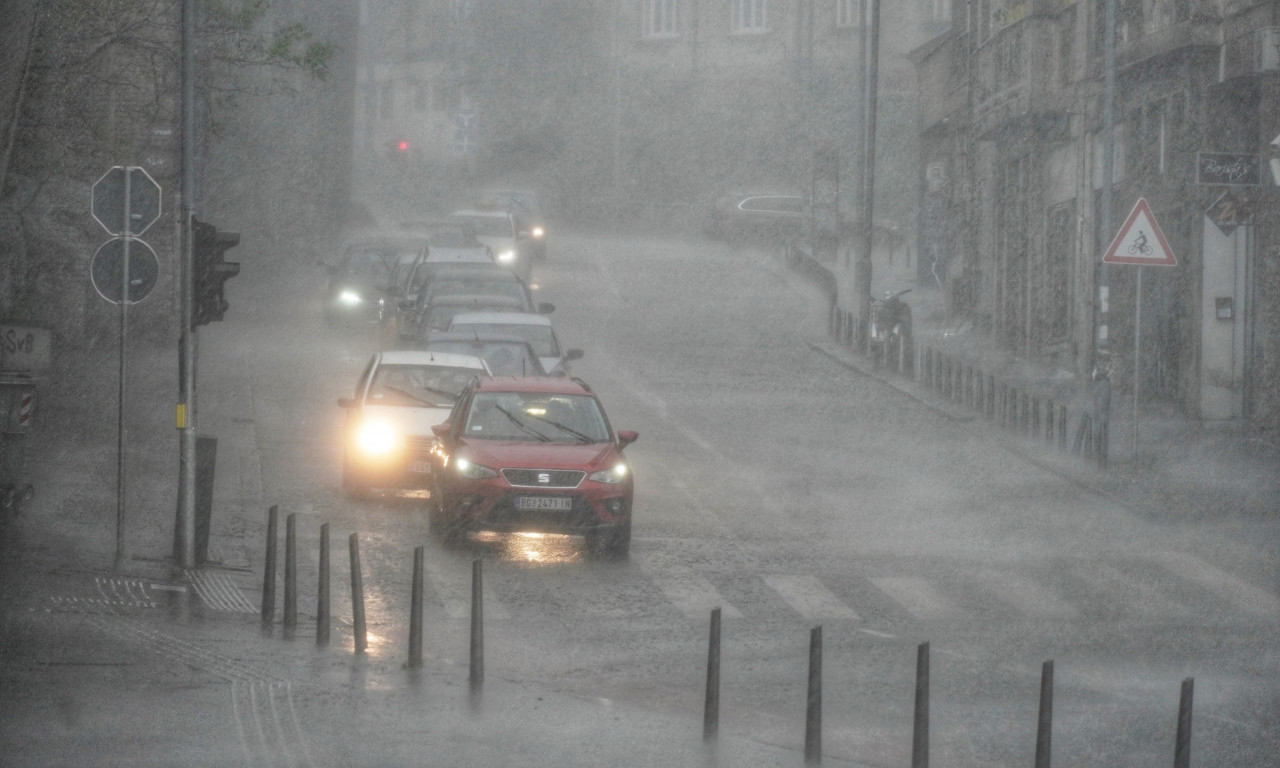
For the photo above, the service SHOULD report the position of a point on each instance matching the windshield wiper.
(524, 427)
(582, 437)
(453, 398)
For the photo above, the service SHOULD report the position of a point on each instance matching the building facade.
(1014, 163)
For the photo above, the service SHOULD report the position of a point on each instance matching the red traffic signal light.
(402, 145)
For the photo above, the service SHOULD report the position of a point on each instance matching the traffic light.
(209, 271)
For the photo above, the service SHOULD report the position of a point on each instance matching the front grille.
(544, 478)
(420, 443)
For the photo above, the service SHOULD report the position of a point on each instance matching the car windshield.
(505, 358)
(490, 226)
(436, 386)
(453, 237)
(536, 417)
(540, 337)
(376, 265)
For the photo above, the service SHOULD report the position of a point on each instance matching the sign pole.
(124, 314)
(1137, 352)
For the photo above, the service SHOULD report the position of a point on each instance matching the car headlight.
(473, 470)
(377, 438)
(538, 233)
(349, 297)
(506, 257)
(615, 474)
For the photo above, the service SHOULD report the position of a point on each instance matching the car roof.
(490, 212)
(479, 300)
(506, 318)
(427, 357)
(551, 385)
(489, 270)
(383, 239)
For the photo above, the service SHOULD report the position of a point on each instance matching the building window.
(848, 13)
(659, 18)
(748, 15)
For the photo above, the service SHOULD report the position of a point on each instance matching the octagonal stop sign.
(126, 200)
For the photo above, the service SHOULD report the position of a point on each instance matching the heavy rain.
(639, 383)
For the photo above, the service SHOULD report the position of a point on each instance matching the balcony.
(1017, 86)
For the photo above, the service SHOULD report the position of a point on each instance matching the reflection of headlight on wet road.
(377, 438)
(506, 257)
(349, 297)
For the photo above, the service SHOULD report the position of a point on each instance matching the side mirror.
(546, 308)
(627, 437)
(346, 402)
(441, 430)
(572, 354)
(408, 306)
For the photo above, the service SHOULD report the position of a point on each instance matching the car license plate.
(420, 467)
(553, 503)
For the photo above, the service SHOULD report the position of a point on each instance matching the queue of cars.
(471, 401)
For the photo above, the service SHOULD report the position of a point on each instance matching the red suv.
(533, 454)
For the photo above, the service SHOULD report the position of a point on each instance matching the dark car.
(506, 355)
(533, 454)
(364, 282)
(462, 279)
(524, 204)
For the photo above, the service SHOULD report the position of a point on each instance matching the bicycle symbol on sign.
(1140, 245)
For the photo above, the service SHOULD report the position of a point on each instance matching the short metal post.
(477, 624)
(1044, 726)
(1182, 748)
(920, 731)
(415, 611)
(813, 712)
(269, 570)
(357, 596)
(322, 591)
(1062, 427)
(711, 706)
(291, 571)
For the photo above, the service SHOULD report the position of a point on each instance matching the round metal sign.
(107, 270)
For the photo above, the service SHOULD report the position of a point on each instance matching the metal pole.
(863, 268)
(813, 712)
(711, 707)
(920, 730)
(322, 592)
(269, 570)
(1044, 725)
(1137, 351)
(477, 624)
(357, 596)
(1182, 747)
(1102, 354)
(415, 612)
(186, 421)
(291, 571)
(124, 349)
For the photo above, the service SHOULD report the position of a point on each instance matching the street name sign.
(1140, 241)
(113, 208)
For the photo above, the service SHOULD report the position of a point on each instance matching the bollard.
(415, 612)
(322, 591)
(477, 625)
(1035, 418)
(1048, 422)
(269, 570)
(1101, 449)
(1182, 746)
(813, 712)
(920, 730)
(991, 396)
(291, 571)
(1062, 427)
(357, 596)
(1044, 725)
(711, 705)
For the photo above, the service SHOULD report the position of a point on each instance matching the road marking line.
(916, 595)
(809, 598)
(1244, 595)
(1027, 596)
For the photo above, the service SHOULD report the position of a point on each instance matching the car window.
(506, 288)
(536, 417)
(434, 386)
(540, 337)
(505, 358)
(490, 226)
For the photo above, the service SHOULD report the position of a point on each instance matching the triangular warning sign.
(1140, 241)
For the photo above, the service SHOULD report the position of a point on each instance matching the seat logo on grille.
(544, 478)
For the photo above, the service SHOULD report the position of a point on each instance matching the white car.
(506, 236)
(387, 439)
(535, 329)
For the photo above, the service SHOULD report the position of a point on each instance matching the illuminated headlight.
(538, 233)
(507, 257)
(614, 474)
(473, 470)
(377, 438)
(349, 297)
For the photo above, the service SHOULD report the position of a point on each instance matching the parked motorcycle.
(890, 331)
